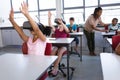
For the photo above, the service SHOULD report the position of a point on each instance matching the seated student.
(60, 32)
(73, 28)
(117, 49)
(114, 25)
(37, 41)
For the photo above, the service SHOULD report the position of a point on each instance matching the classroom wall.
(4, 12)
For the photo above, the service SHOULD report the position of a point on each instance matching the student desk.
(80, 34)
(106, 35)
(24, 67)
(64, 42)
(112, 33)
(110, 66)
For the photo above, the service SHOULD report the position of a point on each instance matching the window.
(34, 15)
(76, 13)
(17, 4)
(91, 2)
(111, 12)
(44, 17)
(73, 3)
(32, 5)
(20, 18)
(47, 4)
(109, 1)
(88, 12)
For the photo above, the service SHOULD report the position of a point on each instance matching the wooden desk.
(80, 34)
(110, 66)
(24, 67)
(64, 42)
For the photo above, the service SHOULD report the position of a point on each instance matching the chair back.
(24, 48)
(47, 50)
(106, 27)
(78, 29)
(115, 41)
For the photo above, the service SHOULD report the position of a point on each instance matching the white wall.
(4, 14)
(4, 10)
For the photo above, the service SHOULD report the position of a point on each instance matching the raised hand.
(24, 8)
(49, 14)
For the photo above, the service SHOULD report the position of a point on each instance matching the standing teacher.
(90, 26)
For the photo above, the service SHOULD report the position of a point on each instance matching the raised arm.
(49, 21)
(17, 27)
(24, 10)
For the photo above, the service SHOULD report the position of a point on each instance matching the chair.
(47, 52)
(106, 27)
(115, 41)
(78, 29)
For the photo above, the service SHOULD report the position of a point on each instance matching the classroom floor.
(88, 69)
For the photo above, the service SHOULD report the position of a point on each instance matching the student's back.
(37, 47)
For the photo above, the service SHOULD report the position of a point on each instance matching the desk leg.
(68, 63)
(80, 48)
(104, 45)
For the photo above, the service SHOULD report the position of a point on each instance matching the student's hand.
(24, 8)
(49, 14)
(11, 15)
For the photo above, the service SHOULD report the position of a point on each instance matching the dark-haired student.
(60, 32)
(37, 41)
(114, 25)
(90, 27)
(73, 28)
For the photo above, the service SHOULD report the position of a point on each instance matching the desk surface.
(109, 33)
(109, 40)
(110, 66)
(23, 67)
(60, 40)
(77, 33)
